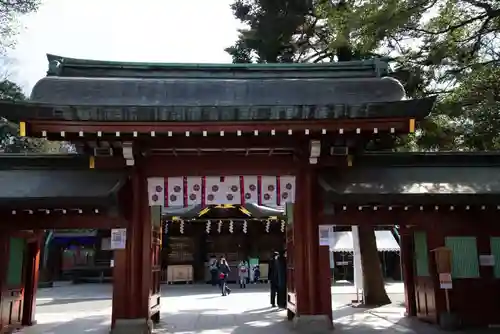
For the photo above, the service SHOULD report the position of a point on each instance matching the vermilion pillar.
(312, 265)
(132, 266)
(32, 263)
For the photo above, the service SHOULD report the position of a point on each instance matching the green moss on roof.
(62, 66)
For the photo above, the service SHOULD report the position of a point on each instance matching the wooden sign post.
(443, 268)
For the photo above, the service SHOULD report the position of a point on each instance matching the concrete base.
(449, 321)
(312, 324)
(133, 326)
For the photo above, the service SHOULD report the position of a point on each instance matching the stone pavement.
(200, 309)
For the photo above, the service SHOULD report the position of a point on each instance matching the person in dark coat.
(273, 277)
(213, 267)
(224, 271)
(281, 269)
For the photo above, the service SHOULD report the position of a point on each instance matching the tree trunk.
(373, 279)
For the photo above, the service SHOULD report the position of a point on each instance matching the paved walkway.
(200, 309)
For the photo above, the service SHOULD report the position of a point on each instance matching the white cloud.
(127, 30)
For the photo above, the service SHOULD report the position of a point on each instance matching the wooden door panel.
(155, 291)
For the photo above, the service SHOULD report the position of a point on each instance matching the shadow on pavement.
(91, 324)
(69, 301)
(261, 320)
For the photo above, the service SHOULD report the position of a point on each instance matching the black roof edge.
(431, 159)
(43, 161)
(16, 111)
(410, 199)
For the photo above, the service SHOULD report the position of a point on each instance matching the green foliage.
(10, 10)
(449, 48)
(277, 30)
(10, 142)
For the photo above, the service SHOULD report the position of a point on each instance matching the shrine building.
(174, 147)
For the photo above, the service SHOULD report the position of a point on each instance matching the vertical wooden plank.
(32, 264)
(325, 282)
(132, 290)
(4, 244)
(120, 279)
(299, 242)
(310, 223)
(311, 272)
(407, 260)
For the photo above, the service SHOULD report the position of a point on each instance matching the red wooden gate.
(155, 293)
(290, 275)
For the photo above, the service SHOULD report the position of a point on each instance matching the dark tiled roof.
(215, 92)
(23, 111)
(436, 178)
(58, 189)
(9, 161)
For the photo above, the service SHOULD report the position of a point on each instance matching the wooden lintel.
(220, 142)
(86, 130)
(226, 164)
(54, 221)
(412, 218)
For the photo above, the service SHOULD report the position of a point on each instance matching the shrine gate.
(151, 136)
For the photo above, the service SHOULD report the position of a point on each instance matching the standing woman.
(224, 271)
(212, 266)
(243, 274)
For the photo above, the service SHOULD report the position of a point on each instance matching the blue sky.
(129, 30)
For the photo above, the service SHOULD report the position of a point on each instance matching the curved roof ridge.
(64, 66)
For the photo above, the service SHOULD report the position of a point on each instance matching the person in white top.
(243, 274)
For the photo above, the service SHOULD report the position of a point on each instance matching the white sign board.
(118, 238)
(325, 235)
(445, 281)
(487, 260)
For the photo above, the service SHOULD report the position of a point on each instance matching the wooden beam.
(221, 142)
(412, 217)
(60, 221)
(92, 129)
(226, 164)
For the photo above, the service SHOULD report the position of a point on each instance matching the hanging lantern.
(219, 226)
(245, 227)
(282, 225)
(182, 227)
(268, 223)
(231, 226)
(209, 225)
